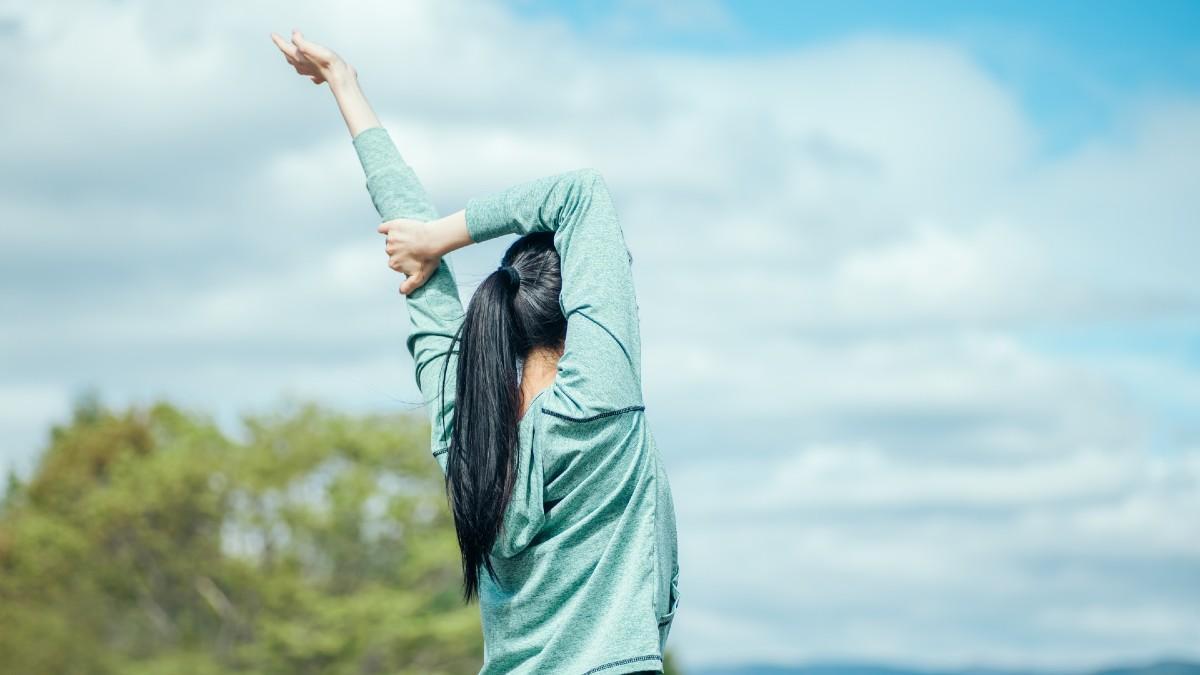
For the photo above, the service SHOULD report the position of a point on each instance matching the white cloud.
(861, 555)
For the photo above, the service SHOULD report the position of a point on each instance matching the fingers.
(288, 49)
(307, 48)
(413, 282)
(299, 41)
(297, 60)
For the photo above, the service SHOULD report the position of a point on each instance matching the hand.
(412, 251)
(317, 63)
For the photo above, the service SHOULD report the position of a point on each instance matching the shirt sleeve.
(599, 373)
(435, 311)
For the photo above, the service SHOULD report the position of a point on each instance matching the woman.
(563, 511)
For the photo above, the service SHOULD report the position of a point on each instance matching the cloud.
(839, 249)
(881, 559)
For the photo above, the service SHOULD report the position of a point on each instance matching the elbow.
(589, 179)
(588, 174)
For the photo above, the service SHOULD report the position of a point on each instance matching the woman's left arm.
(434, 308)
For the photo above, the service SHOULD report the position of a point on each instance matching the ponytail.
(515, 309)
(482, 458)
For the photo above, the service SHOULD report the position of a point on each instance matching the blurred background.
(919, 298)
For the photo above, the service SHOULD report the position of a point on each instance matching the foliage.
(149, 543)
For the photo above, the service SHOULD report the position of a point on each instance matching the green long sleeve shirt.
(587, 559)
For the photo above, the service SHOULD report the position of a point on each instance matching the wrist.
(341, 76)
(449, 233)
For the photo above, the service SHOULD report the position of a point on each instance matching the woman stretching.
(563, 511)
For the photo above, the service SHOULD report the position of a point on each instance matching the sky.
(921, 340)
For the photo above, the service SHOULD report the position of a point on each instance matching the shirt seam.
(658, 552)
(621, 662)
(596, 416)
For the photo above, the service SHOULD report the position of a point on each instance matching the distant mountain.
(1161, 668)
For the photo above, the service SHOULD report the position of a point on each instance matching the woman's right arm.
(599, 373)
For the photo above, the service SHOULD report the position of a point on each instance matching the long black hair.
(515, 309)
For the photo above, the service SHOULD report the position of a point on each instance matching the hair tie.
(514, 277)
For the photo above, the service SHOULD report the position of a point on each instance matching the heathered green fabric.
(587, 561)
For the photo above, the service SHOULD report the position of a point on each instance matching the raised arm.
(599, 373)
(434, 308)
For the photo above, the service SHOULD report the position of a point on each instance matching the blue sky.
(1073, 63)
(920, 302)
